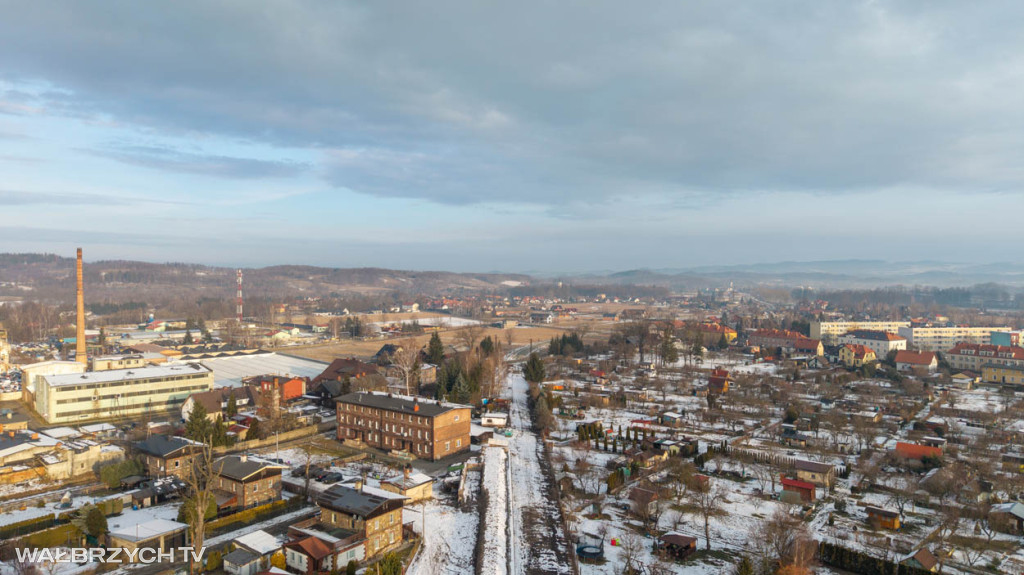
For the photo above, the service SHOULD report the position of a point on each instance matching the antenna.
(239, 310)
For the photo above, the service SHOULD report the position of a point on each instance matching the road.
(540, 545)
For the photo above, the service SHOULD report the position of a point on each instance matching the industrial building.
(118, 393)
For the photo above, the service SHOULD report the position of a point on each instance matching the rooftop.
(402, 403)
(92, 377)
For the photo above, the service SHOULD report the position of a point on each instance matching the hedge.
(256, 514)
(862, 563)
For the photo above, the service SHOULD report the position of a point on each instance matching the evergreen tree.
(460, 390)
(745, 567)
(95, 522)
(534, 369)
(723, 343)
(255, 432)
(487, 346)
(188, 338)
(198, 427)
(669, 353)
(435, 350)
(232, 408)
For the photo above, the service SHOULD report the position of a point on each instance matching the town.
(705, 432)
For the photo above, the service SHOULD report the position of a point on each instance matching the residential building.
(788, 341)
(1004, 374)
(712, 334)
(941, 338)
(820, 474)
(880, 342)
(829, 331)
(216, 401)
(165, 455)
(856, 355)
(242, 482)
(313, 551)
(373, 514)
(916, 361)
(1008, 338)
(351, 369)
(119, 392)
(427, 429)
(972, 356)
(252, 553)
(277, 389)
(414, 485)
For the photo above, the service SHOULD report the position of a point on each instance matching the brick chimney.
(80, 353)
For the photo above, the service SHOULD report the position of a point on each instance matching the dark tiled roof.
(426, 408)
(163, 445)
(234, 467)
(353, 501)
(813, 466)
(240, 557)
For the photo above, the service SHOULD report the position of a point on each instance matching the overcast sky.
(513, 136)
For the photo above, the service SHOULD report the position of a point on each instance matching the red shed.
(805, 489)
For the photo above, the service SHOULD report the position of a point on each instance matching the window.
(458, 443)
(456, 418)
(447, 445)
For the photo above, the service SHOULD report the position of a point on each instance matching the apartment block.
(829, 331)
(427, 429)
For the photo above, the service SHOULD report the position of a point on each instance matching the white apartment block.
(829, 331)
(945, 338)
(94, 395)
(880, 342)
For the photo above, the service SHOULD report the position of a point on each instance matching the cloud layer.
(581, 110)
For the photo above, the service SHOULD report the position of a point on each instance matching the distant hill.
(49, 276)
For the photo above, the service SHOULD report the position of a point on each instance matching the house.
(879, 341)
(414, 485)
(351, 369)
(677, 545)
(311, 551)
(166, 455)
(820, 474)
(494, 419)
(242, 482)
(855, 355)
(644, 500)
(718, 381)
(373, 514)
(216, 401)
(916, 360)
(922, 559)
(712, 334)
(914, 451)
(278, 389)
(802, 489)
(252, 553)
(885, 518)
(1010, 516)
(385, 353)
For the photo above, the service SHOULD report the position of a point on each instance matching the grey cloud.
(553, 103)
(170, 160)
(25, 198)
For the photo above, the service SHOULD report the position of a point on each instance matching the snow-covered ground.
(541, 542)
(450, 538)
(496, 536)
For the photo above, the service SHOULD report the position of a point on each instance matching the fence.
(862, 563)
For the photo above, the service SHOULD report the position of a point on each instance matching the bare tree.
(201, 471)
(406, 360)
(707, 501)
(631, 551)
(901, 492)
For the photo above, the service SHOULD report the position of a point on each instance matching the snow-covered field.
(450, 537)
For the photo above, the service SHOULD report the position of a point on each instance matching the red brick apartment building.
(427, 429)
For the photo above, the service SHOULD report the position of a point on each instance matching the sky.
(512, 136)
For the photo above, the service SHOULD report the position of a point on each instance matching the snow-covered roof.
(97, 428)
(145, 529)
(259, 541)
(62, 432)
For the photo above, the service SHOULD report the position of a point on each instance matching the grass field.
(365, 349)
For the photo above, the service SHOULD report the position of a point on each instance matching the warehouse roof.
(92, 377)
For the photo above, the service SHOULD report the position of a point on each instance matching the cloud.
(219, 166)
(492, 104)
(25, 198)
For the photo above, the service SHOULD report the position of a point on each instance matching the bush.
(113, 474)
(214, 561)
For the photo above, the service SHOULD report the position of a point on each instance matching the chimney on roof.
(244, 457)
(80, 353)
(406, 472)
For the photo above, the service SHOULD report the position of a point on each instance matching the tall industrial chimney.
(80, 354)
